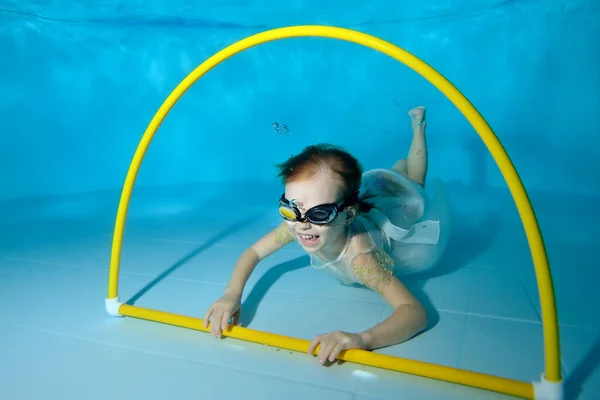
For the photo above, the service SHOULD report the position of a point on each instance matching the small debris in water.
(281, 129)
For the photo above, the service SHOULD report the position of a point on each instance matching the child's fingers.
(313, 345)
(336, 351)
(207, 316)
(215, 326)
(236, 318)
(225, 320)
(325, 351)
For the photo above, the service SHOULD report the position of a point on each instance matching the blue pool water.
(79, 83)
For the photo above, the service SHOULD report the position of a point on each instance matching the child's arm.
(267, 245)
(408, 319)
(409, 316)
(229, 304)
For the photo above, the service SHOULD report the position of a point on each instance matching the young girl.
(367, 228)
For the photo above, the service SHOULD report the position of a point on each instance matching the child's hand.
(333, 343)
(221, 311)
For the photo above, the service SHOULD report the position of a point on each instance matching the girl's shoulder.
(362, 240)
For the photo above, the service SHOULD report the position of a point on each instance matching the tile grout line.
(464, 331)
(159, 354)
(87, 267)
(202, 242)
(495, 317)
(527, 292)
(538, 312)
(35, 280)
(361, 382)
(564, 364)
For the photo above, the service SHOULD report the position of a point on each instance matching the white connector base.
(546, 390)
(112, 306)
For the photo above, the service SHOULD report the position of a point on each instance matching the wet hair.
(346, 170)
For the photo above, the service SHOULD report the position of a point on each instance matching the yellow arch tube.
(528, 218)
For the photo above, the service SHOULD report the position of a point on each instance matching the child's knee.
(418, 177)
(401, 167)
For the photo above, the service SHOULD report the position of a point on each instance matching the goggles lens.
(318, 215)
(321, 215)
(287, 213)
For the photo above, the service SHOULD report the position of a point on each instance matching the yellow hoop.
(528, 218)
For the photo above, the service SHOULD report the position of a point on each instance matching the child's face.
(320, 189)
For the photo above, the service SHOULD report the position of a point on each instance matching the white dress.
(407, 229)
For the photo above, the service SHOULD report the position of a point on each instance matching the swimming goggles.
(319, 215)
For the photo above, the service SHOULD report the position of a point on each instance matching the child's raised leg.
(415, 165)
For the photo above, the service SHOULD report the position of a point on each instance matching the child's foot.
(417, 116)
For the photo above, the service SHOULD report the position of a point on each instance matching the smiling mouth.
(308, 240)
(308, 237)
